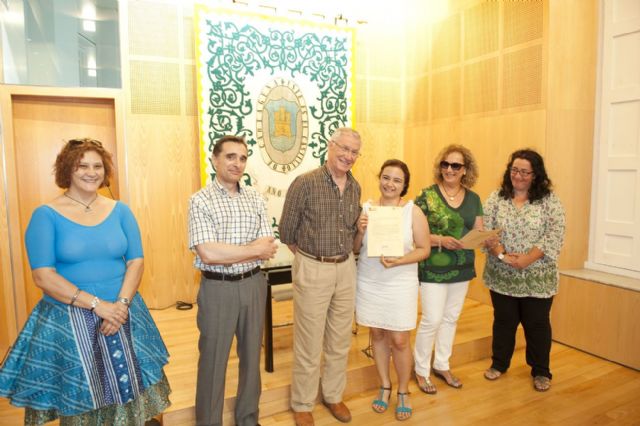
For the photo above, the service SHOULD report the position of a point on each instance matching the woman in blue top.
(89, 352)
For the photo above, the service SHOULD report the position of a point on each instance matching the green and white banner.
(283, 84)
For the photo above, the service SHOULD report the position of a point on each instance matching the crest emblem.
(282, 125)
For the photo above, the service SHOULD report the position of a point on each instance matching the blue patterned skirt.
(61, 365)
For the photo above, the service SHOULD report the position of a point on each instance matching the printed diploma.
(385, 235)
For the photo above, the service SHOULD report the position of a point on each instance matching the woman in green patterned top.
(452, 210)
(522, 267)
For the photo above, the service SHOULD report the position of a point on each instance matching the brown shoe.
(303, 418)
(339, 411)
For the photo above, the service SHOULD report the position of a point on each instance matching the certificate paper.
(474, 238)
(385, 232)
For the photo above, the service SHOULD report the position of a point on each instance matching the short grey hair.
(345, 131)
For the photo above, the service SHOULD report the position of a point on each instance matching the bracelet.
(75, 297)
(124, 300)
(95, 302)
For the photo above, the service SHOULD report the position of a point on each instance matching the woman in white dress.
(387, 289)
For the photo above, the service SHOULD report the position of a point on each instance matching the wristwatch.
(125, 301)
(94, 302)
(501, 255)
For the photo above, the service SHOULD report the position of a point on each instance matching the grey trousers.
(225, 309)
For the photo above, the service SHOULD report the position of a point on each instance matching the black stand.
(275, 276)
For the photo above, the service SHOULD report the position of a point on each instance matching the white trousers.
(441, 307)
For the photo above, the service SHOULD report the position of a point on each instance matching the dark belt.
(230, 277)
(325, 259)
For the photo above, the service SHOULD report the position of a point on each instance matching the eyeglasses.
(346, 150)
(454, 166)
(521, 172)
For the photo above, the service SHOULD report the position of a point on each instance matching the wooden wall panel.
(162, 142)
(445, 50)
(7, 303)
(445, 93)
(522, 21)
(163, 173)
(522, 77)
(380, 100)
(417, 99)
(153, 28)
(481, 86)
(599, 319)
(154, 88)
(387, 107)
(480, 25)
(573, 25)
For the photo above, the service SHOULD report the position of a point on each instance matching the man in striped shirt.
(319, 224)
(230, 233)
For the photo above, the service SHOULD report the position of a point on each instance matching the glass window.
(68, 43)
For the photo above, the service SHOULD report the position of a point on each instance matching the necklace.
(87, 207)
(449, 196)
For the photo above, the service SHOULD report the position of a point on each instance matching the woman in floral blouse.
(522, 266)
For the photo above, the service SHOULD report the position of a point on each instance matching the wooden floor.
(178, 328)
(586, 389)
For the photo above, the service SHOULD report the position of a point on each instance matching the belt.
(325, 259)
(218, 276)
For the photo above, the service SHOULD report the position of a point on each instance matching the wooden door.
(41, 126)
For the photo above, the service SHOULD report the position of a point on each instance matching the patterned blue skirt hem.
(62, 362)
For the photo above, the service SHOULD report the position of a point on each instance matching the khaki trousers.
(323, 303)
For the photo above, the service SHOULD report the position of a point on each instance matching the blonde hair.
(471, 166)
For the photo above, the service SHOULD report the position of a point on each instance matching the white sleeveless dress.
(387, 298)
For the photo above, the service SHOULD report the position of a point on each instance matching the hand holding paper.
(475, 238)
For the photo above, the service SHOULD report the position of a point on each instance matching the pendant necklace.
(452, 197)
(87, 207)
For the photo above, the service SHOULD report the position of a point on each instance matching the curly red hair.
(69, 157)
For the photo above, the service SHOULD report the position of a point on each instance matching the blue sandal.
(380, 401)
(403, 412)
